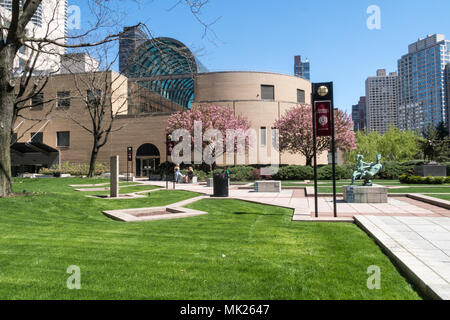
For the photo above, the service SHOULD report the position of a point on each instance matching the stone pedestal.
(433, 170)
(114, 178)
(209, 182)
(362, 194)
(267, 186)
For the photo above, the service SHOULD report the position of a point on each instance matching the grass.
(266, 255)
(441, 196)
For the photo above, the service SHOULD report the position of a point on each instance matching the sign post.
(323, 126)
(129, 159)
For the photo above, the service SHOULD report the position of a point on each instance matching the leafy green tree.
(394, 145)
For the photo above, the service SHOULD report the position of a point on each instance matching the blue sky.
(262, 35)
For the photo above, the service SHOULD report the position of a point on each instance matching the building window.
(63, 138)
(37, 101)
(275, 135)
(300, 96)
(267, 92)
(37, 137)
(63, 99)
(94, 97)
(263, 137)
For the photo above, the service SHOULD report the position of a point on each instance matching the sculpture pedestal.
(362, 194)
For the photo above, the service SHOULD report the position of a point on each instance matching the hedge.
(409, 179)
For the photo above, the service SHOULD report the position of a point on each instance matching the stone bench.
(267, 186)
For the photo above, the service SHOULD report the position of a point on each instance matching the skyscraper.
(382, 94)
(49, 21)
(130, 40)
(447, 93)
(301, 69)
(359, 114)
(422, 99)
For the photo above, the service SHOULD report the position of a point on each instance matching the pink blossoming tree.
(296, 132)
(211, 117)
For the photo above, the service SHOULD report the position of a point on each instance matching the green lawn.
(441, 196)
(239, 250)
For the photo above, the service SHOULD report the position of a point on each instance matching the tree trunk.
(309, 161)
(94, 154)
(6, 118)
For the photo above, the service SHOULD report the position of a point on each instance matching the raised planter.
(267, 186)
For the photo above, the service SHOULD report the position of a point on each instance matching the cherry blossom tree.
(199, 121)
(296, 134)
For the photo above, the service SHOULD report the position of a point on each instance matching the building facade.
(49, 21)
(262, 98)
(302, 68)
(359, 115)
(422, 100)
(382, 101)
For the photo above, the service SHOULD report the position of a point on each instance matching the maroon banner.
(170, 146)
(323, 118)
(130, 153)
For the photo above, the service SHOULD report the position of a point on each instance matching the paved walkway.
(419, 245)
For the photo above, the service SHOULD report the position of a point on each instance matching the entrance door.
(147, 160)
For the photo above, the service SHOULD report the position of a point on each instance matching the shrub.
(241, 173)
(392, 170)
(295, 173)
(326, 172)
(75, 169)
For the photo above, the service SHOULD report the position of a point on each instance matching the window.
(267, 92)
(94, 97)
(63, 99)
(37, 101)
(263, 138)
(37, 137)
(300, 96)
(275, 138)
(63, 138)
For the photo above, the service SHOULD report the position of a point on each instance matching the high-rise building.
(49, 21)
(359, 115)
(447, 92)
(422, 99)
(382, 101)
(130, 40)
(301, 69)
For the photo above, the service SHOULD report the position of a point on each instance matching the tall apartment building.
(422, 100)
(447, 92)
(50, 20)
(359, 115)
(302, 69)
(382, 94)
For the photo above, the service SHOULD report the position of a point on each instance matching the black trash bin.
(220, 181)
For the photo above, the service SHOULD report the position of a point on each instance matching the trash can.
(220, 185)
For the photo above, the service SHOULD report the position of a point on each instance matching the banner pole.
(316, 205)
